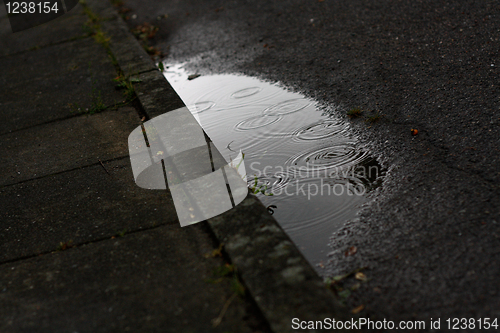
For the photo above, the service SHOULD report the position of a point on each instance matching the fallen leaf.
(358, 309)
(351, 251)
(360, 276)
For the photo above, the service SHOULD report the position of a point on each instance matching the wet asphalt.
(429, 241)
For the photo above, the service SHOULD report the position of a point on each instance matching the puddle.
(302, 154)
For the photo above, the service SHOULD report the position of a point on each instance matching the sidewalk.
(82, 248)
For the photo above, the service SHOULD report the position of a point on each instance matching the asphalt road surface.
(430, 237)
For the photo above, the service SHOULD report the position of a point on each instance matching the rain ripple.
(341, 155)
(247, 92)
(320, 130)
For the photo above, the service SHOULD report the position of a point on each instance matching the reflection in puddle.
(304, 156)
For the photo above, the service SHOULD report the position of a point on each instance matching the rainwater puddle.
(301, 153)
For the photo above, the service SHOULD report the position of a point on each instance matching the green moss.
(354, 113)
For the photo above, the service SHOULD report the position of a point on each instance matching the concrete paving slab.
(153, 281)
(65, 145)
(78, 207)
(33, 92)
(156, 94)
(64, 28)
(132, 58)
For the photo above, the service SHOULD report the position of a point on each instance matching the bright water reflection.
(305, 155)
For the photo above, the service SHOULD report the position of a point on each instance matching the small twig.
(104, 168)
(229, 147)
(218, 320)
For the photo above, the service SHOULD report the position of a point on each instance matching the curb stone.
(277, 276)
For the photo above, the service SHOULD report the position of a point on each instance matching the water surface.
(294, 149)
